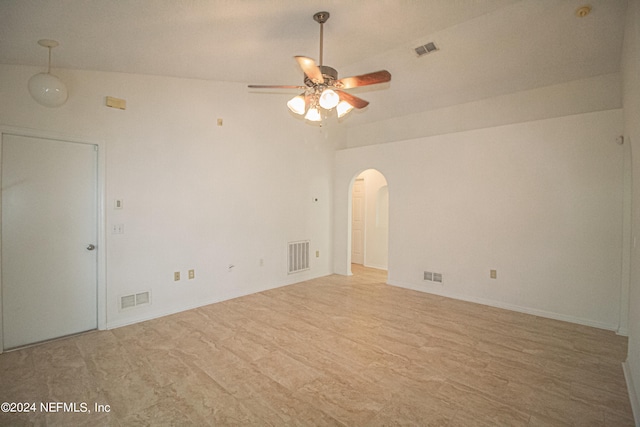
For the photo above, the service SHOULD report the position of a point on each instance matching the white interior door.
(49, 229)
(357, 222)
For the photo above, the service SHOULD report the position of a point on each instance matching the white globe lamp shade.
(48, 90)
(343, 108)
(297, 105)
(329, 99)
(313, 115)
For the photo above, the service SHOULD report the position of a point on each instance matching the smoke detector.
(583, 11)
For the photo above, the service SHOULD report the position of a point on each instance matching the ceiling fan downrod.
(321, 18)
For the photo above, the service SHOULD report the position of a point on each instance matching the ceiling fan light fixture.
(329, 99)
(323, 91)
(343, 108)
(297, 105)
(45, 88)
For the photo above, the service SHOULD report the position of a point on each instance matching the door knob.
(91, 247)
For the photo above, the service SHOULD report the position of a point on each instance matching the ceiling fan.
(323, 91)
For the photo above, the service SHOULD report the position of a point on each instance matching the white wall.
(196, 195)
(631, 102)
(540, 201)
(580, 96)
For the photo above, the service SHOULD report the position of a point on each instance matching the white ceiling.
(487, 47)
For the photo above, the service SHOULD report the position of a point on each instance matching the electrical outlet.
(317, 254)
(176, 276)
(192, 274)
(117, 229)
(493, 274)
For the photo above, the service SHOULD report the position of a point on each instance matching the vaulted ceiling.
(486, 47)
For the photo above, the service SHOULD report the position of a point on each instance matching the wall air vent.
(142, 298)
(298, 256)
(426, 48)
(432, 277)
(134, 300)
(127, 301)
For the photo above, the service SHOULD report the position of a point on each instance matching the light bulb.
(313, 115)
(329, 99)
(297, 104)
(343, 108)
(47, 90)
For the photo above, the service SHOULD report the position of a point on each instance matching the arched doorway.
(369, 222)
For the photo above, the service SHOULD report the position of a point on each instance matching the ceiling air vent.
(426, 48)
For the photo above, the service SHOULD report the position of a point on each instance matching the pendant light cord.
(49, 64)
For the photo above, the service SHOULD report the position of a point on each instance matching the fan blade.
(353, 100)
(276, 87)
(382, 76)
(310, 68)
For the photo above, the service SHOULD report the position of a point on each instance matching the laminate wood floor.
(330, 351)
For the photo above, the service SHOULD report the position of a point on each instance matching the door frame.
(100, 205)
(349, 212)
(364, 220)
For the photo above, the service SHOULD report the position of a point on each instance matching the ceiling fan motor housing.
(329, 74)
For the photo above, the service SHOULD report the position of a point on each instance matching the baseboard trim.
(436, 290)
(633, 397)
(149, 313)
(377, 267)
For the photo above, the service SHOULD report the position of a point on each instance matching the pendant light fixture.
(45, 88)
